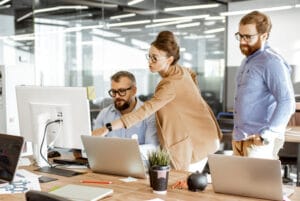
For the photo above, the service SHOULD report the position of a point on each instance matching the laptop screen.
(10, 150)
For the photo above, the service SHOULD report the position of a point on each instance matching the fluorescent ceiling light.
(194, 37)
(167, 23)
(22, 37)
(56, 8)
(193, 24)
(128, 23)
(50, 21)
(215, 18)
(130, 3)
(122, 16)
(297, 6)
(5, 6)
(4, 2)
(130, 30)
(214, 30)
(209, 23)
(241, 12)
(105, 33)
(194, 7)
(180, 18)
(121, 39)
(73, 29)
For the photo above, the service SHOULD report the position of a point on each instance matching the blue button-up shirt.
(264, 99)
(145, 130)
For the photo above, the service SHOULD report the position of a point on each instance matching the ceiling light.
(128, 23)
(209, 23)
(73, 29)
(241, 12)
(130, 30)
(166, 23)
(214, 30)
(215, 18)
(193, 24)
(194, 37)
(180, 18)
(122, 16)
(4, 2)
(191, 7)
(5, 6)
(56, 8)
(297, 6)
(130, 3)
(105, 33)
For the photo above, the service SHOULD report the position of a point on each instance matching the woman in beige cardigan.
(186, 127)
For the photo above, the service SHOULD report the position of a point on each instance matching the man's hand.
(100, 131)
(257, 140)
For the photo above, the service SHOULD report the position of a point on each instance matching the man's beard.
(123, 106)
(248, 50)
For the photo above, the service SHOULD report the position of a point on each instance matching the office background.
(83, 42)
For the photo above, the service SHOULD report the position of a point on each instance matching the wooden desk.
(140, 190)
(293, 135)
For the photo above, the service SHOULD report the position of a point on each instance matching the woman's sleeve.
(164, 93)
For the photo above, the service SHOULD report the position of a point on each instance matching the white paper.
(23, 182)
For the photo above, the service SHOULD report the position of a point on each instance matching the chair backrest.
(33, 195)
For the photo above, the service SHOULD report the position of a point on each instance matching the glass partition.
(82, 43)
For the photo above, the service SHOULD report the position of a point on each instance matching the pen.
(95, 182)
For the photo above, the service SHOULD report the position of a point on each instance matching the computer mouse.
(52, 154)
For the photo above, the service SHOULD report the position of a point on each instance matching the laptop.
(117, 156)
(10, 151)
(244, 176)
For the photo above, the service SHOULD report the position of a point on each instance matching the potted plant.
(159, 167)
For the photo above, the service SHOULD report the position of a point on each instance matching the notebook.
(80, 192)
(10, 151)
(251, 177)
(117, 156)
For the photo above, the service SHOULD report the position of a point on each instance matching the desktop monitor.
(57, 114)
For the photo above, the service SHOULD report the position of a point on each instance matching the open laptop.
(251, 177)
(10, 151)
(118, 156)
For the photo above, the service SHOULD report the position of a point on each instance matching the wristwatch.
(265, 141)
(109, 127)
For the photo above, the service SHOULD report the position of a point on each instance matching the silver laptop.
(118, 156)
(251, 177)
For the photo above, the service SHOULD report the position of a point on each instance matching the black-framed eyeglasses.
(154, 58)
(246, 37)
(121, 92)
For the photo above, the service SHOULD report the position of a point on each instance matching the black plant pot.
(159, 176)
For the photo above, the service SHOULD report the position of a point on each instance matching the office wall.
(284, 38)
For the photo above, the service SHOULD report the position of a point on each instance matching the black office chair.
(225, 120)
(33, 195)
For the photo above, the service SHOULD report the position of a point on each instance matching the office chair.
(33, 195)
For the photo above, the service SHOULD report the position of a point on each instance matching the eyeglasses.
(246, 37)
(154, 58)
(121, 92)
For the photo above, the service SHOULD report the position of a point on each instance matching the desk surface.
(292, 134)
(140, 190)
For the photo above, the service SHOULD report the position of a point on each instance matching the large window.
(82, 43)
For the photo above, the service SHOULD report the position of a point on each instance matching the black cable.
(45, 131)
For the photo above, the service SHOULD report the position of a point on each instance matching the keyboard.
(78, 161)
(58, 171)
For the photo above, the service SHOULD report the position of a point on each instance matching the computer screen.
(61, 114)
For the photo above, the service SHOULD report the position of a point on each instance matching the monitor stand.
(58, 171)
